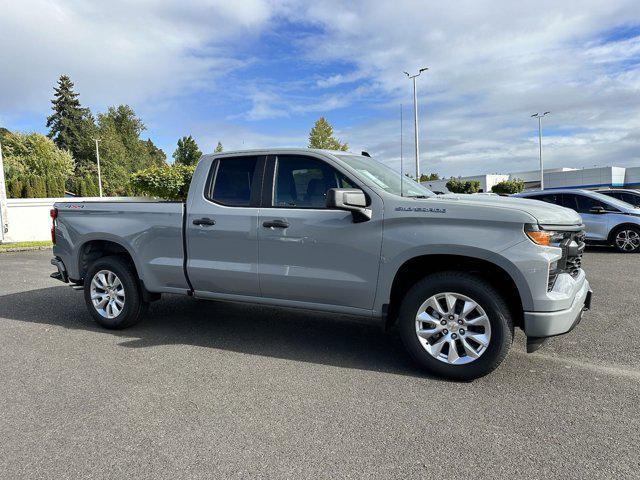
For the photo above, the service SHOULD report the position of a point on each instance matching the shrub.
(456, 185)
(168, 182)
(508, 187)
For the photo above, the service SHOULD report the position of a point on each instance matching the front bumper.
(549, 324)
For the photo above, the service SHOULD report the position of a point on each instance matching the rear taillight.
(54, 214)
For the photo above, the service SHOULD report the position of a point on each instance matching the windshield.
(384, 177)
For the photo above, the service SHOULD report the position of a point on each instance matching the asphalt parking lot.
(215, 390)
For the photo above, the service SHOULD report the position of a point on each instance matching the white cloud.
(119, 51)
(492, 64)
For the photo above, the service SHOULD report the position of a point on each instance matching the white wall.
(29, 219)
(632, 177)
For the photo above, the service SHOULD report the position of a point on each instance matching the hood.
(545, 213)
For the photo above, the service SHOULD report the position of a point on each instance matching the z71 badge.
(421, 209)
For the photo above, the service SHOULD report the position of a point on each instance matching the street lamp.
(98, 160)
(415, 118)
(539, 117)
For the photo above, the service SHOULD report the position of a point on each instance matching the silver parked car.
(607, 220)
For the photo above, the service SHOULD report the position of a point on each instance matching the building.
(596, 177)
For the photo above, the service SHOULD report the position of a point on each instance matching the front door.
(309, 253)
(596, 224)
(221, 228)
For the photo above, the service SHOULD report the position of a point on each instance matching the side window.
(570, 200)
(585, 204)
(303, 182)
(631, 198)
(232, 181)
(549, 198)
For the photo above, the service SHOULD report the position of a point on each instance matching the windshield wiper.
(416, 196)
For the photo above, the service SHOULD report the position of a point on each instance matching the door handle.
(204, 221)
(276, 224)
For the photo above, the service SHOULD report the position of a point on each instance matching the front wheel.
(627, 240)
(455, 325)
(112, 294)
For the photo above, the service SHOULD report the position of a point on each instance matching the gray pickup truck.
(337, 232)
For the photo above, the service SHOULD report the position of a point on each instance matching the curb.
(23, 249)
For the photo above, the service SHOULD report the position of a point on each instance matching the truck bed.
(151, 231)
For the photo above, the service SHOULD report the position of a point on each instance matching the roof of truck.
(285, 150)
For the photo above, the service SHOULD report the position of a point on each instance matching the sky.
(258, 73)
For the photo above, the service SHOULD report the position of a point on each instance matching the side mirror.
(350, 199)
(597, 210)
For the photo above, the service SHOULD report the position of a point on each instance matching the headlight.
(546, 238)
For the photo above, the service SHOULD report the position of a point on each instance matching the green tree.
(32, 162)
(508, 187)
(14, 188)
(429, 177)
(156, 155)
(321, 136)
(218, 148)
(168, 182)
(187, 152)
(66, 123)
(456, 185)
(121, 149)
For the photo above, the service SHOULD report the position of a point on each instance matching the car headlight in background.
(546, 238)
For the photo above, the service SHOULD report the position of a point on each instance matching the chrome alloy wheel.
(453, 328)
(107, 294)
(628, 240)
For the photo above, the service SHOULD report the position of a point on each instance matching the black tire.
(134, 307)
(485, 296)
(621, 248)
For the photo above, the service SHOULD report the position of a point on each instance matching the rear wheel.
(112, 294)
(627, 239)
(455, 325)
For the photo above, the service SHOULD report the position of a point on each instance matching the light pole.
(98, 160)
(539, 117)
(415, 118)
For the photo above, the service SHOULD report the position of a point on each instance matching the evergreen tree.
(15, 188)
(157, 155)
(66, 122)
(187, 152)
(321, 136)
(218, 148)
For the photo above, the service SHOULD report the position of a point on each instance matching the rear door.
(221, 228)
(309, 253)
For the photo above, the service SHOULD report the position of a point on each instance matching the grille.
(571, 261)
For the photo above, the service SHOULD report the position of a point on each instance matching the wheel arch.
(94, 249)
(614, 231)
(418, 267)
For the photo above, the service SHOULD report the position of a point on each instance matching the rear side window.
(232, 181)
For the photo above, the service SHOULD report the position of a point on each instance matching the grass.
(7, 247)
